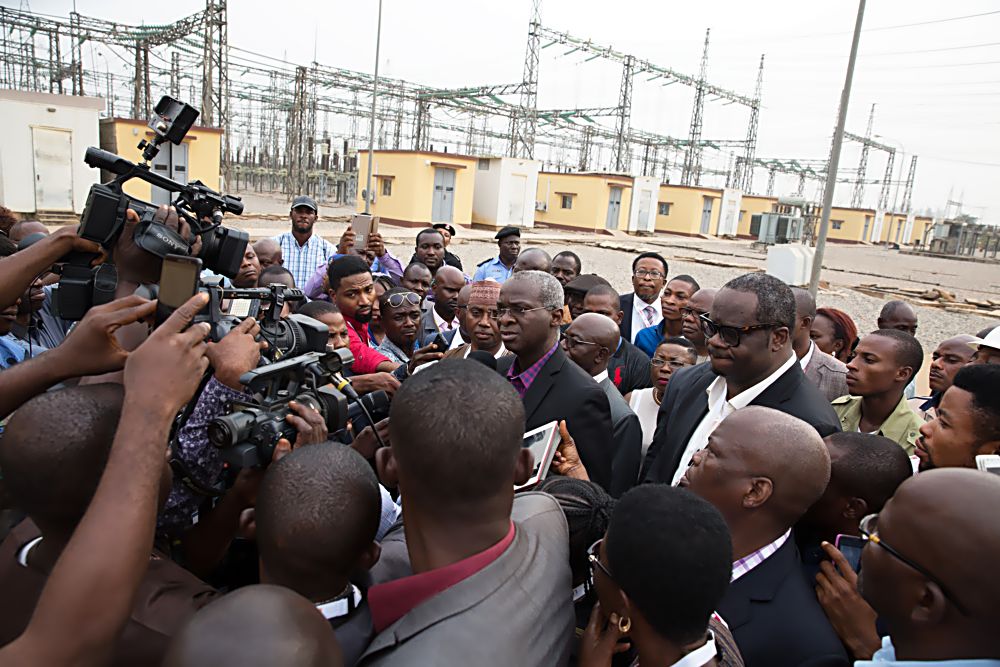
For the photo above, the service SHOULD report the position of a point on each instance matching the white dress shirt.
(442, 324)
(601, 377)
(719, 408)
(804, 361)
(640, 320)
(500, 352)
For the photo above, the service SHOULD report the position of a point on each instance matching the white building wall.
(495, 199)
(23, 111)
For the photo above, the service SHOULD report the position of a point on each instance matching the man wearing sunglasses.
(752, 363)
(930, 570)
(400, 309)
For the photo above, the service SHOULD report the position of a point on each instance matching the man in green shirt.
(885, 362)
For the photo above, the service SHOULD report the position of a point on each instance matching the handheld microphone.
(483, 357)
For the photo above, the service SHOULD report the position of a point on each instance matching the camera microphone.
(483, 357)
(341, 384)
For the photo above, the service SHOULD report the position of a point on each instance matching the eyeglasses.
(689, 311)
(595, 560)
(643, 273)
(869, 531)
(396, 300)
(518, 311)
(573, 341)
(657, 362)
(730, 335)
(477, 313)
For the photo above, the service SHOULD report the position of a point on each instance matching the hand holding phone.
(851, 547)
(440, 343)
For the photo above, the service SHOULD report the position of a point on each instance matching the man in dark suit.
(469, 556)
(628, 367)
(442, 315)
(762, 470)
(649, 275)
(752, 363)
(588, 342)
(551, 386)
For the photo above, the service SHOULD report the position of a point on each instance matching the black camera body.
(104, 216)
(248, 434)
(288, 337)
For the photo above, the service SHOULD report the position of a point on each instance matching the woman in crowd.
(671, 354)
(835, 333)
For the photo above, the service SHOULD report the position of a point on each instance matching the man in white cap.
(302, 251)
(987, 347)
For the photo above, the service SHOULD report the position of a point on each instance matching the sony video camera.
(82, 286)
(248, 434)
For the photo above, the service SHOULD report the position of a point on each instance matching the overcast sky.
(936, 86)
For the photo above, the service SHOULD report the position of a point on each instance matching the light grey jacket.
(517, 611)
(828, 374)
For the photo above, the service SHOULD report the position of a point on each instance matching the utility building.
(418, 188)
(195, 159)
(505, 192)
(42, 145)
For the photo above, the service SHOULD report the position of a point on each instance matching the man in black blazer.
(752, 363)
(649, 275)
(551, 386)
(629, 366)
(762, 470)
(589, 342)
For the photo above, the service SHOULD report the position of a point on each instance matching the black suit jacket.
(625, 304)
(563, 390)
(627, 437)
(686, 403)
(773, 614)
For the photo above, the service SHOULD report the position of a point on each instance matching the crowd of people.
(741, 478)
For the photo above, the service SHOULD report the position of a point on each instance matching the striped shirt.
(747, 563)
(522, 381)
(303, 260)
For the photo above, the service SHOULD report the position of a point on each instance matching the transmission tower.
(859, 186)
(525, 122)
(744, 169)
(691, 175)
(620, 157)
(908, 189)
(883, 197)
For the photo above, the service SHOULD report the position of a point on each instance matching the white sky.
(936, 86)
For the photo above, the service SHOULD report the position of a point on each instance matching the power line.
(911, 25)
(947, 48)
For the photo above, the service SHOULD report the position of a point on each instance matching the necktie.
(648, 314)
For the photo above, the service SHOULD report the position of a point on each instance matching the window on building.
(386, 187)
(837, 224)
(567, 201)
(663, 208)
(484, 164)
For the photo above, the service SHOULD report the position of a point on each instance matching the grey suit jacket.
(627, 439)
(828, 374)
(518, 610)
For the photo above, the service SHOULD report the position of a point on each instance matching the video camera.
(248, 435)
(288, 337)
(82, 286)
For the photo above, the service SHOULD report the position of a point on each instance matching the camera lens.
(228, 430)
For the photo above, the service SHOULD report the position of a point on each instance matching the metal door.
(706, 215)
(643, 224)
(516, 186)
(53, 161)
(864, 233)
(614, 207)
(172, 162)
(444, 195)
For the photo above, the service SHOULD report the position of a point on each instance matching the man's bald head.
(256, 625)
(945, 521)
(449, 272)
(533, 259)
(805, 313)
(598, 328)
(898, 315)
(768, 468)
(590, 340)
(268, 253)
(26, 228)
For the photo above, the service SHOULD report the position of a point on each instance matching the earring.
(624, 624)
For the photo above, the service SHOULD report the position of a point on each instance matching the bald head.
(944, 520)
(590, 341)
(268, 253)
(533, 259)
(598, 328)
(768, 469)
(898, 315)
(26, 228)
(256, 625)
